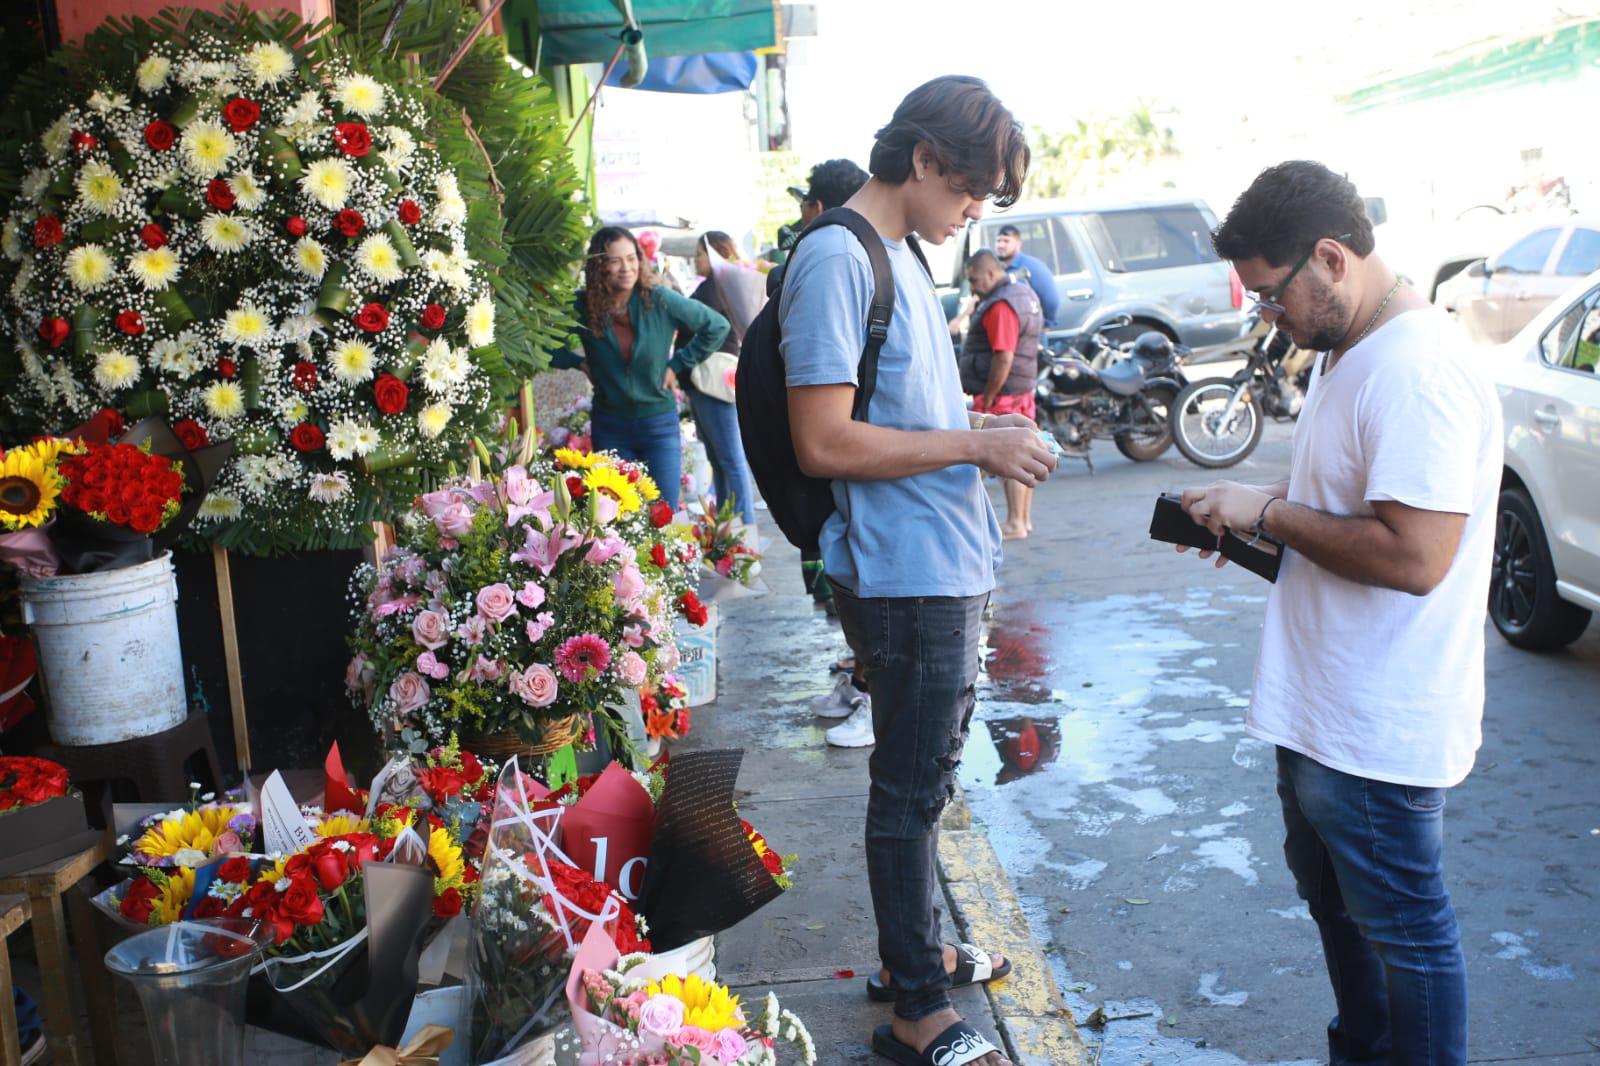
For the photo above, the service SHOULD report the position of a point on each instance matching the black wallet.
(1170, 524)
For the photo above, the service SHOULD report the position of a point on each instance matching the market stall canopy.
(716, 72)
(559, 32)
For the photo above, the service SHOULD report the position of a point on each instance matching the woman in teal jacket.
(627, 322)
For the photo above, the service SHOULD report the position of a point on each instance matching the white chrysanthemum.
(434, 378)
(258, 473)
(103, 103)
(437, 353)
(176, 357)
(328, 181)
(57, 137)
(247, 192)
(226, 233)
(10, 240)
(88, 267)
(353, 362)
(400, 146)
(24, 278)
(154, 268)
(247, 325)
(224, 399)
(480, 323)
(329, 488)
(432, 419)
(341, 439)
(99, 188)
(218, 506)
(115, 369)
(457, 366)
(367, 438)
(36, 182)
(307, 110)
(450, 208)
(194, 71)
(268, 63)
(152, 73)
(436, 262)
(207, 147)
(310, 258)
(376, 257)
(360, 95)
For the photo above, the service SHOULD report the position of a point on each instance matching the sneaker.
(839, 701)
(855, 731)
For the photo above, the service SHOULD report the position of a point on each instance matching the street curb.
(1028, 1008)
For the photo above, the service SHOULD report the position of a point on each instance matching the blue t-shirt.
(933, 534)
(1041, 281)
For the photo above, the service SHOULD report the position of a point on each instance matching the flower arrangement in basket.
(515, 604)
(257, 238)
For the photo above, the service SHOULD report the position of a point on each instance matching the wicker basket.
(503, 745)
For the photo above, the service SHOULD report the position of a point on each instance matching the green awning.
(588, 31)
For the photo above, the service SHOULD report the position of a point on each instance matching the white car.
(1494, 298)
(1547, 536)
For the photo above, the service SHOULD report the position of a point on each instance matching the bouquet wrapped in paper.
(731, 557)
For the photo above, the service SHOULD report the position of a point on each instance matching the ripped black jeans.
(921, 656)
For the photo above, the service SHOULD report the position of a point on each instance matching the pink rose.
(454, 520)
(632, 669)
(536, 685)
(633, 636)
(354, 674)
(428, 664)
(486, 669)
(496, 602)
(725, 565)
(531, 596)
(629, 584)
(693, 1036)
(539, 626)
(731, 1046)
(428, 627)
(661, 1015)
(409, 692)
(473, 630)
(226, 844)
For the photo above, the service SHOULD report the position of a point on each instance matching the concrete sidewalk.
(816, 945)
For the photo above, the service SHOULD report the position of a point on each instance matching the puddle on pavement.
(1066, 700)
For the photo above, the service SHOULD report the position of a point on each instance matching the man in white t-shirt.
(1370, 680)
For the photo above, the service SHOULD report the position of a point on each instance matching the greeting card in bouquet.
(609, 830)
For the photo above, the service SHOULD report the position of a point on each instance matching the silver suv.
(1151, 260)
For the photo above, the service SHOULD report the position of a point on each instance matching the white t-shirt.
(1372, 681)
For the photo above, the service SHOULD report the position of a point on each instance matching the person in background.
(1024, 267)
(627, 323)
(998, 363)
(717, 419)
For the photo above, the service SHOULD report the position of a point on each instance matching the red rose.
(218, 195)
(306, 438)
(241, 114)
(352, 138)
(209, 907)
(433, 317)
(410, 213)
(660, 513)
(471, 768)
(81, 141)
(47, 232)
(130, 322)
(139, 900)
(295, 225)
(227, 367)
(658, 555)
(331, 869)
(373, 317)
(575, 487)
(390, 394)
(441, 782)
(349, 222)
(447, 904)
(301, 904)
(305, 376)
(691, 607)
(153, 236)
(191, 433)
(117, 512)
(160, 135)
(235, 871)
(113, 422)
(54, 331)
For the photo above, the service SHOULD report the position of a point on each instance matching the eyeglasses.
(1271, 301)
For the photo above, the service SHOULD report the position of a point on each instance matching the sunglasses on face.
(1272, 301)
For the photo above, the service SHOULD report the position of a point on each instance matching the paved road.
(1141, 826)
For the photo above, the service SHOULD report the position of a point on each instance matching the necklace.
(1373, 321)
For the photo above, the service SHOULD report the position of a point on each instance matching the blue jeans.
(1367, 859)
(654, 441)
(921, 659)
(719, 431)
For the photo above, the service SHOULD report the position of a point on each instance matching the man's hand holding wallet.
(1226, 518)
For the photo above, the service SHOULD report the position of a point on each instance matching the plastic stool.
(153, 765)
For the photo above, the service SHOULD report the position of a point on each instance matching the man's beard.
(1329, 320)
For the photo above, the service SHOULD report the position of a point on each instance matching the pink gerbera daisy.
(578, 655)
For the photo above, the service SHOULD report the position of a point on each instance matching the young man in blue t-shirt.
(913, 547)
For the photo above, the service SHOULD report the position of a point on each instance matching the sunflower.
(444, 857)
(195, 830)
(29, 486)
(177, 889)
(573, 459)
(341, 824)
(706, 1004)
(614, 483)
(647, 488)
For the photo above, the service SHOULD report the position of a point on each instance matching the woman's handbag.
(714, 375)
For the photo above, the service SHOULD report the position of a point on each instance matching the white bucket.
(108, 652)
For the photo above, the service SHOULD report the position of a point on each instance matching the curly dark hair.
(1289, 208)
(975, 140)
(597, 298)
(835, 181)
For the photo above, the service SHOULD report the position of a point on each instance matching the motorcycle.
(1128, 398)
(1218, 422)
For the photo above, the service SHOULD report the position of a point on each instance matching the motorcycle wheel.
(1196, 428)
(1152, 412)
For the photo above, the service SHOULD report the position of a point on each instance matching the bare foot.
(1009, 532)
(996, 960)
(920, 1033)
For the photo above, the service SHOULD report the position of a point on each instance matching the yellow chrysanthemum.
(444, 857)
(225, 233)
(115, 369)
(29, 486)
(88, 267)
(268, 63)
(195, 830)
(353, 362)
(706, 1004)
(376, 257)
(341, 824)
(247, 325)
(99, 187)
(224, 399)
(152, 73)
(328, 181)
(433, 419)
(207, 147)
(360, 95)
(613, 483)
(177, 889)
(573, 459)
(154, 268)
(647, 488)
(310, 258)
(480, 323)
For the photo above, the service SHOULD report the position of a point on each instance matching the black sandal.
(973, 965)
(956, 1046)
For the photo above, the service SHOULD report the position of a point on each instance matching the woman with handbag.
(736, 291)
(627, 324)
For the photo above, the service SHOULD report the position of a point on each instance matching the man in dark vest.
(1000, 362)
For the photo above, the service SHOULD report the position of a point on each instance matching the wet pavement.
(1140, 825)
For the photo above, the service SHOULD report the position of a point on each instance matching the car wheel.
(1522, 587)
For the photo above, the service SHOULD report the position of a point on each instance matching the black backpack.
(798, 503)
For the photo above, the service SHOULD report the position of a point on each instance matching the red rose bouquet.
(25, 781)
(120, 485)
